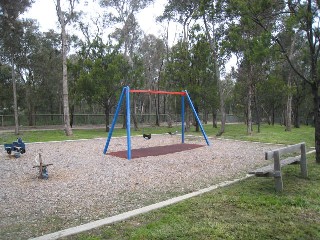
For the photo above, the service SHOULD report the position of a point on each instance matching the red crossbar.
(157, 92)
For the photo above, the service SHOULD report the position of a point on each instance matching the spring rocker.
(17, 148)
(43, 171)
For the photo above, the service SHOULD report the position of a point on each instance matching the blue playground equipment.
(126, 92)
(17, 147)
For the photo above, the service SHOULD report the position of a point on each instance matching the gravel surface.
(85, 185)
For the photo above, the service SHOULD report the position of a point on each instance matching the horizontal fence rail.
(98, 119)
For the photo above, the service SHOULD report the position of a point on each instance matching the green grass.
(59, 135)
(247, 210)
(268, 133)
(250, 209)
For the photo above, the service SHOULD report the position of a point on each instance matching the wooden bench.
(274, 170)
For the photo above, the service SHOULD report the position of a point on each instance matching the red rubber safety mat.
(155, 151)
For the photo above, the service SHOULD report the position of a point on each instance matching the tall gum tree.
(303, 17)
(11, 31)
(64, 20)
(123, 14)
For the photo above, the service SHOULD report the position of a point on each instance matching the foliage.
(212, 31)
(5, 89)
(102, 73)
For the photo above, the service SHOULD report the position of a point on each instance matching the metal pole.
(128, 123)
(182, 118)
(197, 118)
(114, 121)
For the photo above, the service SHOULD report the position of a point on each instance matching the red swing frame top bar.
(157, 92)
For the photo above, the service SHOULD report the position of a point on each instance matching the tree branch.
(283, 50)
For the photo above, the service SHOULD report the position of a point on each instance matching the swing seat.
(146, 136)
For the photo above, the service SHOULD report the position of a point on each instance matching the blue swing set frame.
(126, 92)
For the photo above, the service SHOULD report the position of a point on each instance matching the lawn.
(268, 133)
(247, 210)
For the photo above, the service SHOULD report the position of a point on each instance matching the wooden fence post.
(303, 161)
(277, 172)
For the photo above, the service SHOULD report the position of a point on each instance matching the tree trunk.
(196, 122)
(205, 117)
(214, 119)
(66, 114)
(316, 102)
(134, 114)
(31, 109)
(288, 111)
(296, 118)
(257, 111)
(214, 52)
(289, 99)
(249, 112)
(107, 114)
(15, 101)
(150, 108)
(273, 115)
(30, 100)
(223, 111)
(156, 104)
(187, 119)
(71, 115)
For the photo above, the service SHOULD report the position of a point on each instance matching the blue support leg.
(182, 119)
(128, 123)
(197, 118)
(114, 121)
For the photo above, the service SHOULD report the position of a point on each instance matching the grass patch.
(247, 210)
(268, 134)
(59, 135)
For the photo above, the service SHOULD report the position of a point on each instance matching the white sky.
(44, 12)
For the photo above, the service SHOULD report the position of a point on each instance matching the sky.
(45, 13)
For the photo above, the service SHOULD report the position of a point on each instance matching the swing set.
(126, 92)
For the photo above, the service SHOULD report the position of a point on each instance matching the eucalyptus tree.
(11, 28)
(192, 69)
(122, 15)
(203, 84)
(272, 93)
(296, 87)
(102, 73)
(153, 53)
(5, 88)
(182, 12)
(252, 46)
(213, 15)
(44, 66)
(209, 17)
(38, 65)
(47, 69)
(64, 19)
(302, 17)
(29, 46)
